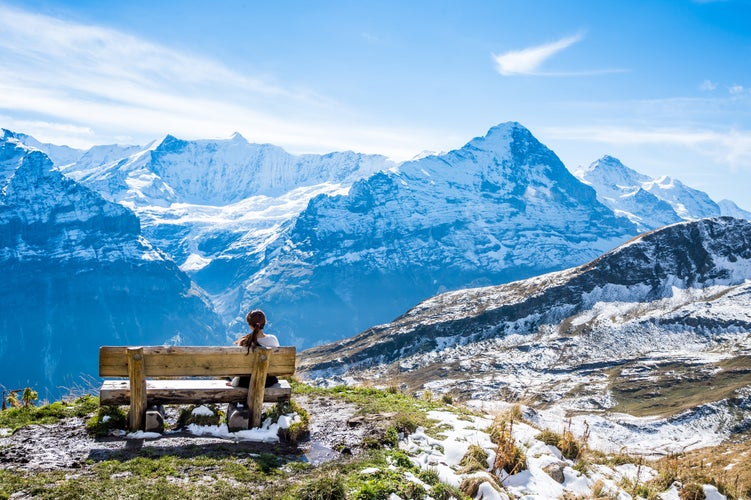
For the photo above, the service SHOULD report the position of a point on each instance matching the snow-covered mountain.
(331, 244)
(650, 203)
(503, 207)
(730, 209)
(215, 205)
(658, 327)
(77, 274)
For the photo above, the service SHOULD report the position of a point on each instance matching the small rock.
(555, 471)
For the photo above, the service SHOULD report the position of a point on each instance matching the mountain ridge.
(630, 340)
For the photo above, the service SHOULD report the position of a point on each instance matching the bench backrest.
(194, 361)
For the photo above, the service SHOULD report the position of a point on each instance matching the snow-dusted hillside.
(659, 327)
(77, 274)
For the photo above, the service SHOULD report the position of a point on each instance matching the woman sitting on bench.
(256, 320)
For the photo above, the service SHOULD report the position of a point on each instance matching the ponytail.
(256, 320)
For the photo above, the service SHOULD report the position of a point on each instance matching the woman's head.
(256, 319)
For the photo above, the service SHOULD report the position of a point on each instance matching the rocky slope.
(77, 274)
(644, 329)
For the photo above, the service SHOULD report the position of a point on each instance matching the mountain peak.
(169, 144)
(237, 137)
(611, 172)
(500, 136)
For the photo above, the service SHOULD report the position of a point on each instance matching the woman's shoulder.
(268, 340)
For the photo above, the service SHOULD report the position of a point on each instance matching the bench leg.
(257, 384)
(137, 377)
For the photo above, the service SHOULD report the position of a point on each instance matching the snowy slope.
(77, 274)
(644, 329)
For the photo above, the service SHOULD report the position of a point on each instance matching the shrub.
(401, 459)
(549, 437)
(508, 456)
(569, 446)
(105, 419)
(429, 476)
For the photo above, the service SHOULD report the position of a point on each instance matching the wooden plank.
(197, 361)
(262, 358)
(187, 391)
(137, 379)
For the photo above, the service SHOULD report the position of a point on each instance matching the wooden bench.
(156, 375)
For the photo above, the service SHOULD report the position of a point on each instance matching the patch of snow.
(194, 262)
(143, 435)
(202, 411)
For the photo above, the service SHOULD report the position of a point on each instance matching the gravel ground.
(66, 445)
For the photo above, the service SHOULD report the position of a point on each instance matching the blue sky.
(665, 86)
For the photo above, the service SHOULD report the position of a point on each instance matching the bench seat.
(187, 391)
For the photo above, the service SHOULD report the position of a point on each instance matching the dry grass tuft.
(508, 456)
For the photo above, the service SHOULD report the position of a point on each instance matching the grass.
(15, 418)
(674, 387)
(727, 467)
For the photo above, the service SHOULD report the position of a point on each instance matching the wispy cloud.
(528, 61)
(731, 147)
(60, 75)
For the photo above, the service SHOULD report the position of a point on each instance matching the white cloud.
(97, 79)
(527, 61)
(736, 89)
